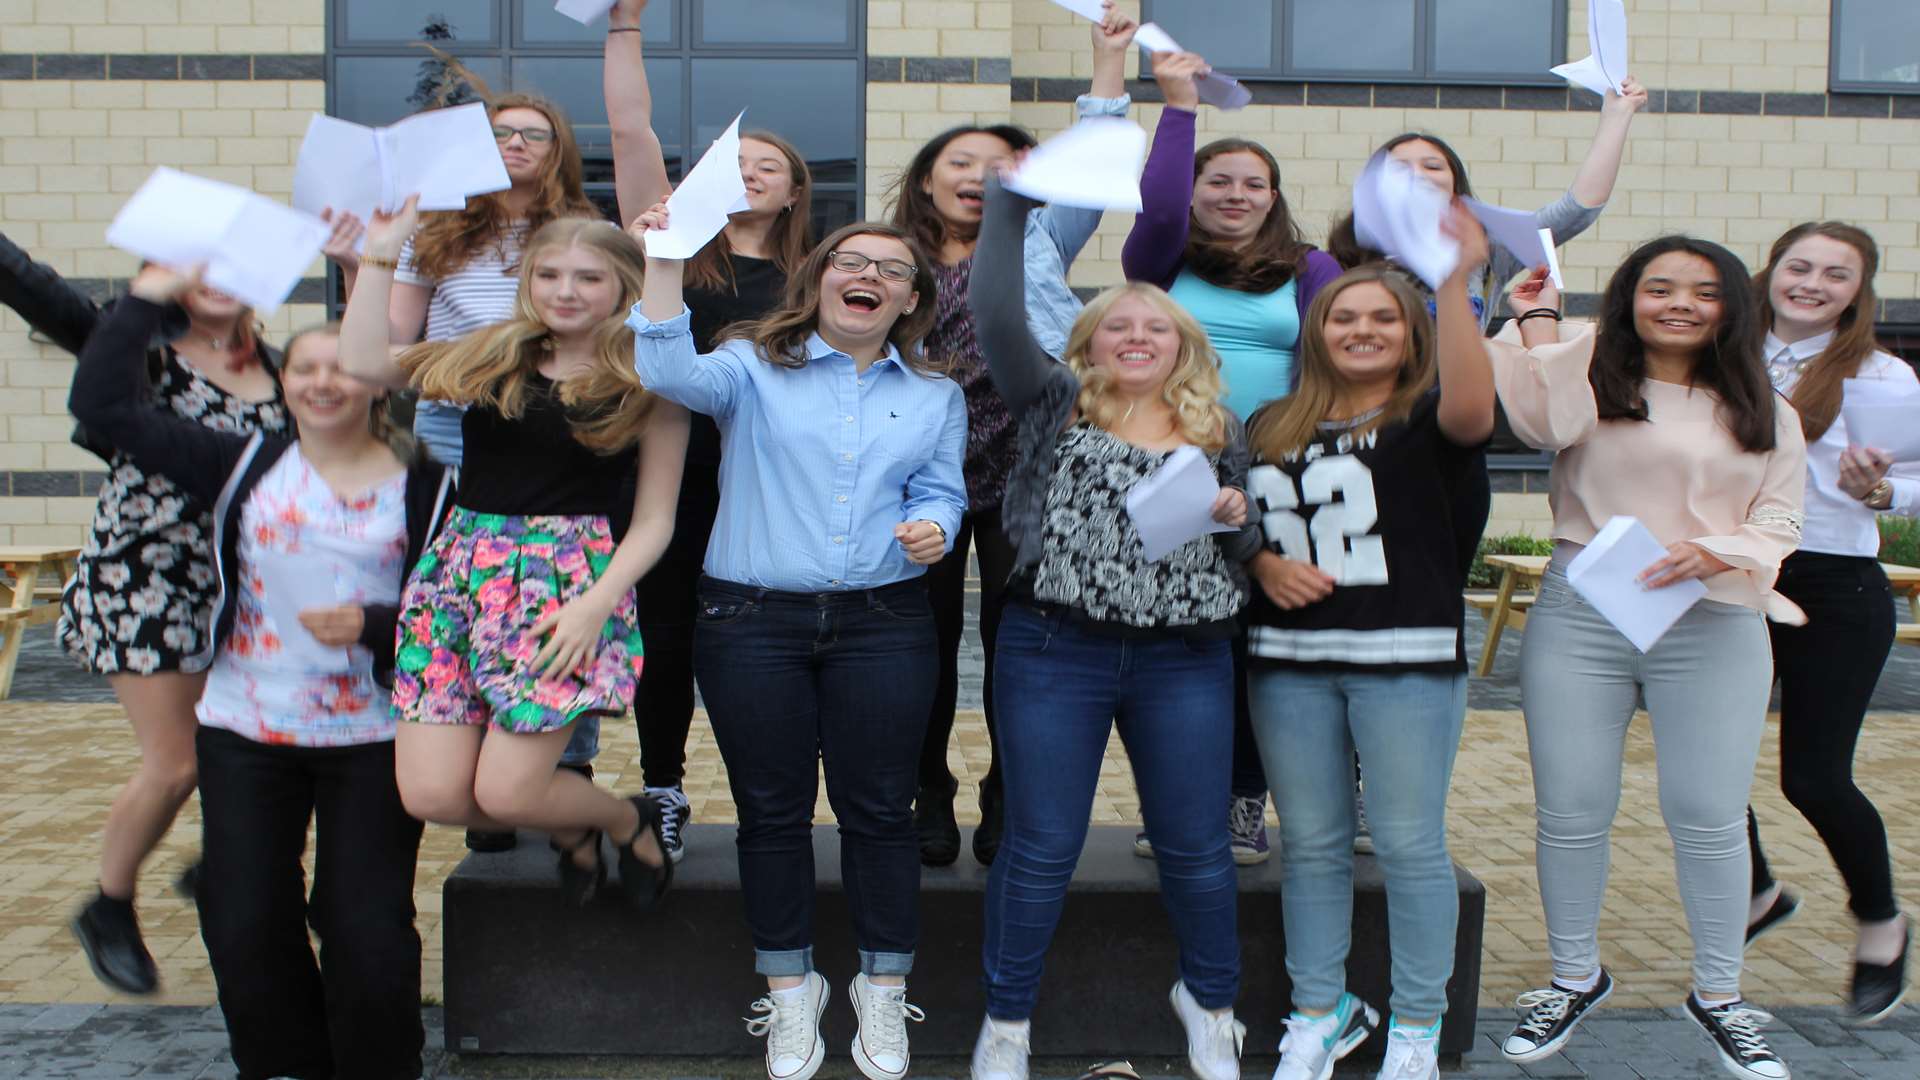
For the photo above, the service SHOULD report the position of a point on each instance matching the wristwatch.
(1880, 495)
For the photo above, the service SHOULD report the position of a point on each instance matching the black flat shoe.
(1785, 906)
(189, 883)
(642, 882)
(993, 817)
(933, 820)
(490, 843)
(110, 935)
(580, 884)
(1878, 988)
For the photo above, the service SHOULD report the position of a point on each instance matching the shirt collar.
(1778, 351)
(818, 349)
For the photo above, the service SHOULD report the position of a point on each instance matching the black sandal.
(579, 884)
(643, 882)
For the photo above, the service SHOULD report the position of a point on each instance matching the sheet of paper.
(1399, 214)
(1219, 91)
(1516, 231)
(253, 247)
(583, 11)
(1882, 415)
(1090, 9)
(1175, 504)
(697, 210)
(1606, 574)
(443, 155)
(1095, 164)
(1605, 65)
(291, 587)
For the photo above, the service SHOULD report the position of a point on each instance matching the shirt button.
(846, 457)
(859, 382)
(839, 539)
(835, 581)
(849, 419)
(839, 498)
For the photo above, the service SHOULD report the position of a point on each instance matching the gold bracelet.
(377, 263)
(1884, 487)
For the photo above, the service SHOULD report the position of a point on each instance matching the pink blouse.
(1680, 472)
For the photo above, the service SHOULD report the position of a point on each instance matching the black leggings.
(947, 590)
(1827, 671)
(663, 700)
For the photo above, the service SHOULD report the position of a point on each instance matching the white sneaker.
(791, 1024)
(1001, 1051)
(1412, 1053)
(880, 1049)
(1213, 1039)
(1313, 1044)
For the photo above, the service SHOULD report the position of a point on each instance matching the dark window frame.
(1835, 13)
(1423, 44)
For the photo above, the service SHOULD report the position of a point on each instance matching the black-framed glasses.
(853, 262)
(502, 133)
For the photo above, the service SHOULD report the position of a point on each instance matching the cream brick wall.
(162, 26)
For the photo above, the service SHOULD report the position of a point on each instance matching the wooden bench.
(25, 600)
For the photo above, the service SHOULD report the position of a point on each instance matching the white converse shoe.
(1314, 1044)
(1412, 1053)
(880, 1049)
(791, 1024)
(1001, 1051)
(1213, 1039)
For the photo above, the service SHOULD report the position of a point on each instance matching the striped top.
(478, 294)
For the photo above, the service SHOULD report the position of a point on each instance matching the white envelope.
(1399, 214)
(1606, 64)
(697, 210)
(583, 11)
(1087, 8)
(1217, 90)
(1606, 574)
(443, 155)
(253, 247)
(1095, 164)
(1517, 231)
(1175, 504)
(1882, 415)
(291, 587)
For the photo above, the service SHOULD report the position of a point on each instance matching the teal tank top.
(1254, 333)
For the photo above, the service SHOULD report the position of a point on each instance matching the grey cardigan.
(1041, 393)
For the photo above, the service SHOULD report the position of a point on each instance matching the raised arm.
(1159, 238)
(663, 352)
(37, 293)
(639, 163)
(1070, 227)
(1466, 376)
(366, 350)
(112, 398)
(1593, 183)
(997, 292)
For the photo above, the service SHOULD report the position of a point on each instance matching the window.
(796, 66)
(1422, 41)
(1876, 46)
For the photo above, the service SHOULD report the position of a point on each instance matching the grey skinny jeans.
(1705, 684)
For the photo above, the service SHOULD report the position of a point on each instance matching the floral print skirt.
(466, 645)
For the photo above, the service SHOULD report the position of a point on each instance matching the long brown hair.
(913, 210)
(780, 337)
(493, 366)
(1285, 427)
(1816, 395)
(1271, 257)
(1193, 386)
(712, 266)
(448, 239)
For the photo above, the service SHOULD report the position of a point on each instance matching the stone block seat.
(526, 975)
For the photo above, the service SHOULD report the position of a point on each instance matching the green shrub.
(1899, 540)
(1482, 576)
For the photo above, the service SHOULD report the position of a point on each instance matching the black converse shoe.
(1735, 1031)
(1550, 1017)
(1878, 988)
(1786, 904)
(675, 812)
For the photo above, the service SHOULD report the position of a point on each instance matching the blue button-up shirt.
(818, 463)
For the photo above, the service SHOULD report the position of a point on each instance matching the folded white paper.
(583, 11)
(1216, 90)
(1400, 215)
(253, 248)
(289, 587)
(1087, 8)
(442, 155)
(1517, 231)
(1607, 575)
(1882, 415)
(697, 210)
(1605, 67)
(1175, 504)
(1095, 164)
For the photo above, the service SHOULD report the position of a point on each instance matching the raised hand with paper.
(365, 342)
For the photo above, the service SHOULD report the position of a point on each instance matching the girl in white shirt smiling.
(1818, 284)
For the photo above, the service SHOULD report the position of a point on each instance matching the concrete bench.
(526, 975)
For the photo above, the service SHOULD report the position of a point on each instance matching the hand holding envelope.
(446, 155)
(1605, 67)
(1094, 164)
(698, 209)
(252, 247)
(1401, 215)
(1607, 572)
(1217, 90)
(1882, 415)
(583, 11)
(1175, 504)
(1516, 231)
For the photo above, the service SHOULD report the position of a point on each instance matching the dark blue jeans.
(1060, 690)
(844, 679)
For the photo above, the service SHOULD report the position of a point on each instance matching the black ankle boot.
(933, 820)
(109, 932)
(986, 838)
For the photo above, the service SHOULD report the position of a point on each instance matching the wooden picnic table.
(1520, 582)
(24, 601)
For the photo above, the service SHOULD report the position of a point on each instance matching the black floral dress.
(142, 593)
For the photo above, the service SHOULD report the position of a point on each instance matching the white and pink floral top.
(304, 546)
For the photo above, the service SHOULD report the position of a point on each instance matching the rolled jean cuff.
(783, 963)
(885, 963)
(584, 744)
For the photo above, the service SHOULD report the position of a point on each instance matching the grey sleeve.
(1566, 216)
(1236, 458)
(997, 292)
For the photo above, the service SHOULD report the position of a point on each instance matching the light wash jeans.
(1406, 727)
(1706, 684)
